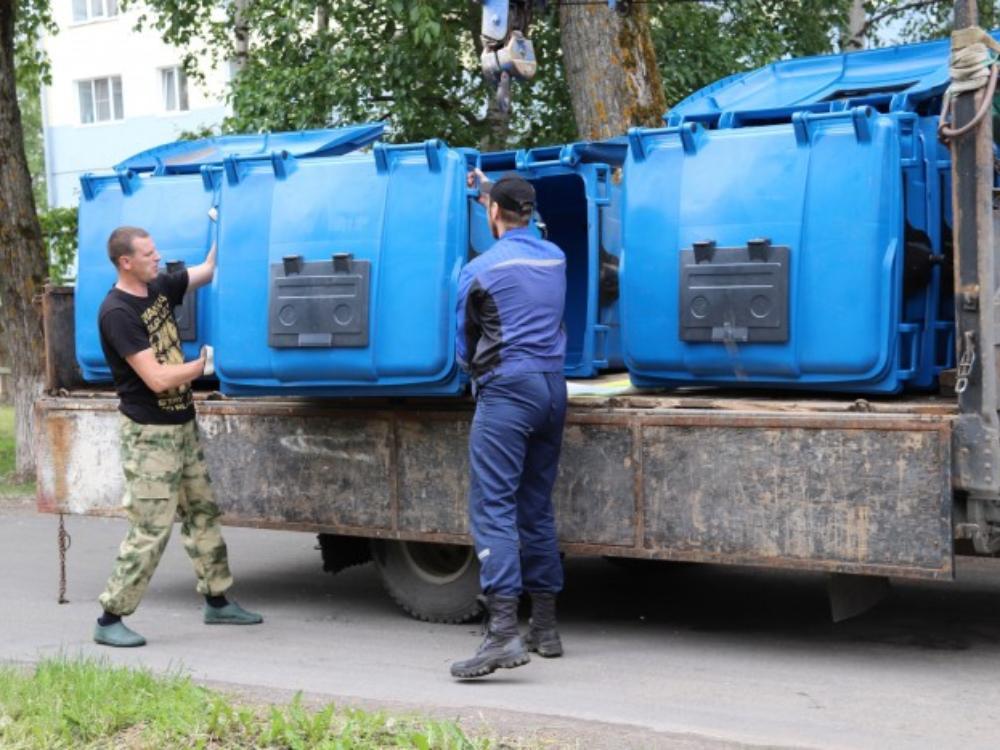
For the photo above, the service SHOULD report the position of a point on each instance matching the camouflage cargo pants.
(165, 476)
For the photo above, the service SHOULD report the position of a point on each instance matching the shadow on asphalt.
(671, 597)
(949, 616)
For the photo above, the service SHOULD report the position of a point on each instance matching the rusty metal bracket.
(976, 434)
(982, 524)
(974, 459)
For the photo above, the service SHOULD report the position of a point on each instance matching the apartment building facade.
(115, 91)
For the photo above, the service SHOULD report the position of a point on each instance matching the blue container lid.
(893, 79)
(183, 157)
(611, 151)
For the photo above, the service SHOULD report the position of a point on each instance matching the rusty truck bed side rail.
(834, 485)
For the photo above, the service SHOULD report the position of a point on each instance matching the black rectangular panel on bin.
(186, 313)
(321, 303)
(734, 294)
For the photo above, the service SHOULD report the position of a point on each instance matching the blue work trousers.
(513, 460)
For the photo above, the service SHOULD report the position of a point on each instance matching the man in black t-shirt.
(165, 472)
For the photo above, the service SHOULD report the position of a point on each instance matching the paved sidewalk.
(670, 656)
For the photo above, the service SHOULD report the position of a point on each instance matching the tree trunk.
(857, 24)
(241, 35)
(22, 255)
(322, 17)
(611, 69)
(497, 138)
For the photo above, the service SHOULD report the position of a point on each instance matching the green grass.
(85, 704)
(7, 487)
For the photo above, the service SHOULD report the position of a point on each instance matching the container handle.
(128, 180)
(211, 177)
(910, 330)
(387, 153)
(88, 186)
(691, 135)
(546, 156)
(282, 164)
(601, 332)
(601, 186)
(804, 123)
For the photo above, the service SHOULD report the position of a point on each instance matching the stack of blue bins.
(338, 268)
(790, 227)
(168, 191)
(579, 209)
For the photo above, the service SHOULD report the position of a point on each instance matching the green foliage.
(311, 63)
(30, 105)
(86, 704)
(916, 23)
(7, 463)
(59, 227)
(414, 64)
(698, 43)
(33, 19)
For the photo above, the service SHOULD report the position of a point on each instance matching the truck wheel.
(432, 582)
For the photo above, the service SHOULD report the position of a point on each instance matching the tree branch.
(897, 10)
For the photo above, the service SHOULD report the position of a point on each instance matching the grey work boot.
(501, 648)
(542, 637)
(118, 635)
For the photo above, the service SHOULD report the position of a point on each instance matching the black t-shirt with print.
(130, 324)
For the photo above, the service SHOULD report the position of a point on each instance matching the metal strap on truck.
(973, 66)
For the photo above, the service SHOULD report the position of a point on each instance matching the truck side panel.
(836, 491)
(875, 497)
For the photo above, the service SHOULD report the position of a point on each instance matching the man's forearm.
(168, 377)
(202, 273)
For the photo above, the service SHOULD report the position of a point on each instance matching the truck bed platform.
(836, 484)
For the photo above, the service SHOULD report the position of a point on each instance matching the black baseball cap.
(512, 192)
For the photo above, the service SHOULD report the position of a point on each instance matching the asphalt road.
(671, 656)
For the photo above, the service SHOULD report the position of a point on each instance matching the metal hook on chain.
(65, 542)
(965, 362)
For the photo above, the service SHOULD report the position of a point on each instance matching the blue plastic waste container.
(175, 212)
(579, 207)
(791, 227)
(338, 276)
(168, 191)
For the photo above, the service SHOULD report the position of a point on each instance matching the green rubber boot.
(117, 635)
(231, 614)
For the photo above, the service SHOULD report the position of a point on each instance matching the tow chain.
(965, 362)
(65, 542)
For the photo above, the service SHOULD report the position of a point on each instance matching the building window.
(87, 10)
(100, 99)
(175, 88)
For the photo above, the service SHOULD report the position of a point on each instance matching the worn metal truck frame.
(892, 487)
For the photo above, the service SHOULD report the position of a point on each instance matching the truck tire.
(432, 582)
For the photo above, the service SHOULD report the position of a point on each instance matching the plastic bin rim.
(355, 136)
(919, 78)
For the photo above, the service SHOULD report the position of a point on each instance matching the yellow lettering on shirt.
(166, 344)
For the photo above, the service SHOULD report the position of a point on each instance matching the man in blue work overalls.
(511, 340)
